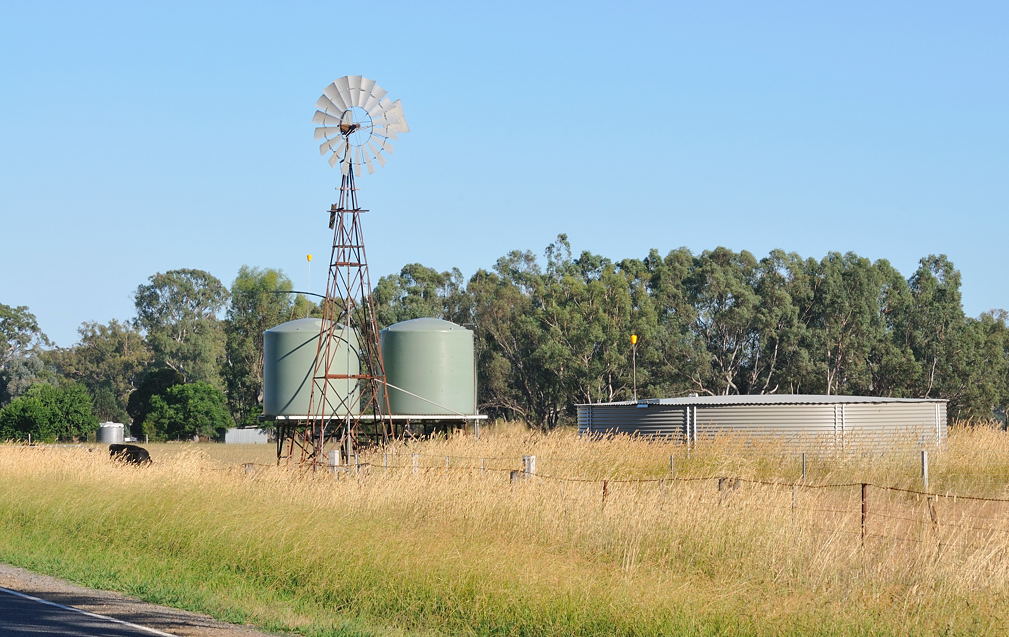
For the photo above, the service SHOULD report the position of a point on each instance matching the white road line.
(84, 612)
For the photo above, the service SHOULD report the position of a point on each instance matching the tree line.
(550, 333)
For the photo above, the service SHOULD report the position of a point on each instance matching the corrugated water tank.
(111, 432)
(289, 351)
(430, 368)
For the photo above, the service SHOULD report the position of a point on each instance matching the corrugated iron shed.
(795, 420)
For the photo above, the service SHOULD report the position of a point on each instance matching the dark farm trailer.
(865, 422)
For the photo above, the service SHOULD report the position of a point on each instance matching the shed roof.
(767, 399)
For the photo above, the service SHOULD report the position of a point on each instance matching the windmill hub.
(357, 123)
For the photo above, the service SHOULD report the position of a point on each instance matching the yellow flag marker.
(308, 258)
(634, 339)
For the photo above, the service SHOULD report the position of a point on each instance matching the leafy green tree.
(178, 312)
(48, 413)
(21, 341)
(188, 410)
(419, 291)
(108, 360)
(152, 383)
(258, 302)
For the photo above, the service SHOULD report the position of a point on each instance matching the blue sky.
(142, 137)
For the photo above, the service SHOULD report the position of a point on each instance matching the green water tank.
(289, 351)
(429, 366)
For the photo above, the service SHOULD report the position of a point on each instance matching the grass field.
(458, 550)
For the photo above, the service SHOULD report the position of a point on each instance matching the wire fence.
(866, 511)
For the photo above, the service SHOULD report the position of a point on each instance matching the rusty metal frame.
(347, 303)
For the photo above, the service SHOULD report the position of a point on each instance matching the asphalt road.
(22, 614)
(34, 604)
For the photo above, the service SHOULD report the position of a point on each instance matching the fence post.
(865, 509)
(529, 465)
(924, 469)
(483, 465)
(446, 462)
(513, 476)
(249, 468)
(415, 459)
(385, 460)
(357, 464)
(672, 465)
(803, 466)
(606, 491)
(334, 461)
(476, 429)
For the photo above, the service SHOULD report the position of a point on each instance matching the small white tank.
(111, 432)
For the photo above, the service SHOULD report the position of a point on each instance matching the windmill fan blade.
(334, 96)
(323, 118)
(381, 108)
(377, 94)
(365, 92)
(331, 145)
(396, 115)
(377, 153)
(328, 131)
(367, 160)
(334, 158)
(326, 104)
(354, 82)
(343, 87)
(383, 132)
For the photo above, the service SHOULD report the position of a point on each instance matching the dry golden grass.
(459, 550)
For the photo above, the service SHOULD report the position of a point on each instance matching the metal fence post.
(803, 466)
(865, 509)
(924, 469)
(529, 466)
(672, 465)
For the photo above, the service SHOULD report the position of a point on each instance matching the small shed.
(236, 436)
(795, 420)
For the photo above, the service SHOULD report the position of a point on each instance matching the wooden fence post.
(334, 461)
(606, 491)
(924, 469)
(385, 460)
(672, 465)
(803, 466)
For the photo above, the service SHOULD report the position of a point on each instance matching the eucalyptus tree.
(21, 341)
(177, 310)
(260, 299)
(108, 360)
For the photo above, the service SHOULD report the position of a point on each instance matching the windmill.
(356, 123)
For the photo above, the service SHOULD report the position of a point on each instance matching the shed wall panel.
(657, 420)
